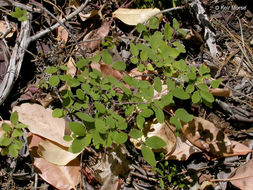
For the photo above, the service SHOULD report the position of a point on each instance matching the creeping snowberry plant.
(102, 106)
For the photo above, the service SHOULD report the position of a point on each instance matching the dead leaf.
(84, 17)
(106, 70)
(134, 16)
(61, 177)
(243, 177)
(62, 34)
(96, 36)
(71, 67)
(4, 28)
(55, 154)
(221, 92)
(207, 137)
(41, 122)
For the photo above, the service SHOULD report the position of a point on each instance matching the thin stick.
(22, 6)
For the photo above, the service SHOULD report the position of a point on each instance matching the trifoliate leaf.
(120, 138)
(180, 93)
(135, 133)
(196, 97)
(58, 113)
(51, 70)
(119, 65)
(100, 126)
(207, 96)
(153, 23)
(54, 80)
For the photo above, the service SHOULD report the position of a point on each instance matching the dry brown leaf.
(71, 67)
(183, 150)
(239, 149)
(4, 28)
(221, 92)
(55, 154)
(101, 33)
(207, 137)
(243, 177)
(62, 34)
(84, 17)
(41, 122)
(106, 70)
(61, 177)
(134, 16)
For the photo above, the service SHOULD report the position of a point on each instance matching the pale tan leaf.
(61, 177)
(62, 34)
(41, 122)
(84, 17)
(206, 136)
(71, 67)
(107, 70)
(183, 150)
(4, 28)
(221, 92)
(55, 154)
(243, 177)
(239, 149)
(134, 16)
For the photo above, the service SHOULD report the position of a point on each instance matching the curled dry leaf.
(243, 177)
(206, 136)
(4, 28)
(41, 122)
(96, 37)
(62, 34)
(134, 16)
(61, 177)
(54, 153)
(71, 67)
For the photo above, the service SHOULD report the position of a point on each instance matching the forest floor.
(231, 113)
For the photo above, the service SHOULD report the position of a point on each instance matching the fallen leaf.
(62, 34)
(84, 17)
(106, 70)
(204, 135)
(61, 177)
(41, 122)
(221, 92)
(4, 28)
(134, 16)
(55, 154)
(71, 67)
(242, 177)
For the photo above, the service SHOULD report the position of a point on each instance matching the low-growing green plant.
(10, 141)
(101, 106)
(19, 14)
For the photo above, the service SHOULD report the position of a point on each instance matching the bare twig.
(20, 5)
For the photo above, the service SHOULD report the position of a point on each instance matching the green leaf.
(106, 56)
(146, 113)
(189, 89)
(180, 93)
(54, 80)
(120, 138)
(155, 142)
(14, 117)
(140, 121)
(170, 84)
(119, 65)
(134, 60)
(135, 133)
(51, 70)
(141, 27)
(191, 75)
(13, 151)
(168, 32)
(77, 128)
(203, 87)
(144, 55)
(175, 24)
(58, 113)
(158, 84)
(20, 14)
(173, 52)
(150, 67)
(100, 107)
(17, 133)
(77, 145)
(167, 100)
(183, 115)
(196, 98)
(216, 83)
(148, 155)
(130, 110)
(67, 138)
(100, 126)
(80, 94)
(73, 82)
(174, 121)
(207, 96)
(5, 141)
(159, 115)
(153, 23)
(141, 67)
(85, 117)
(20, 126)
(7, 128)
(133, 49)
(204, 70)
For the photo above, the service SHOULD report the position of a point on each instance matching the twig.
(230, 179)
(44, 32)
(22, 6)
